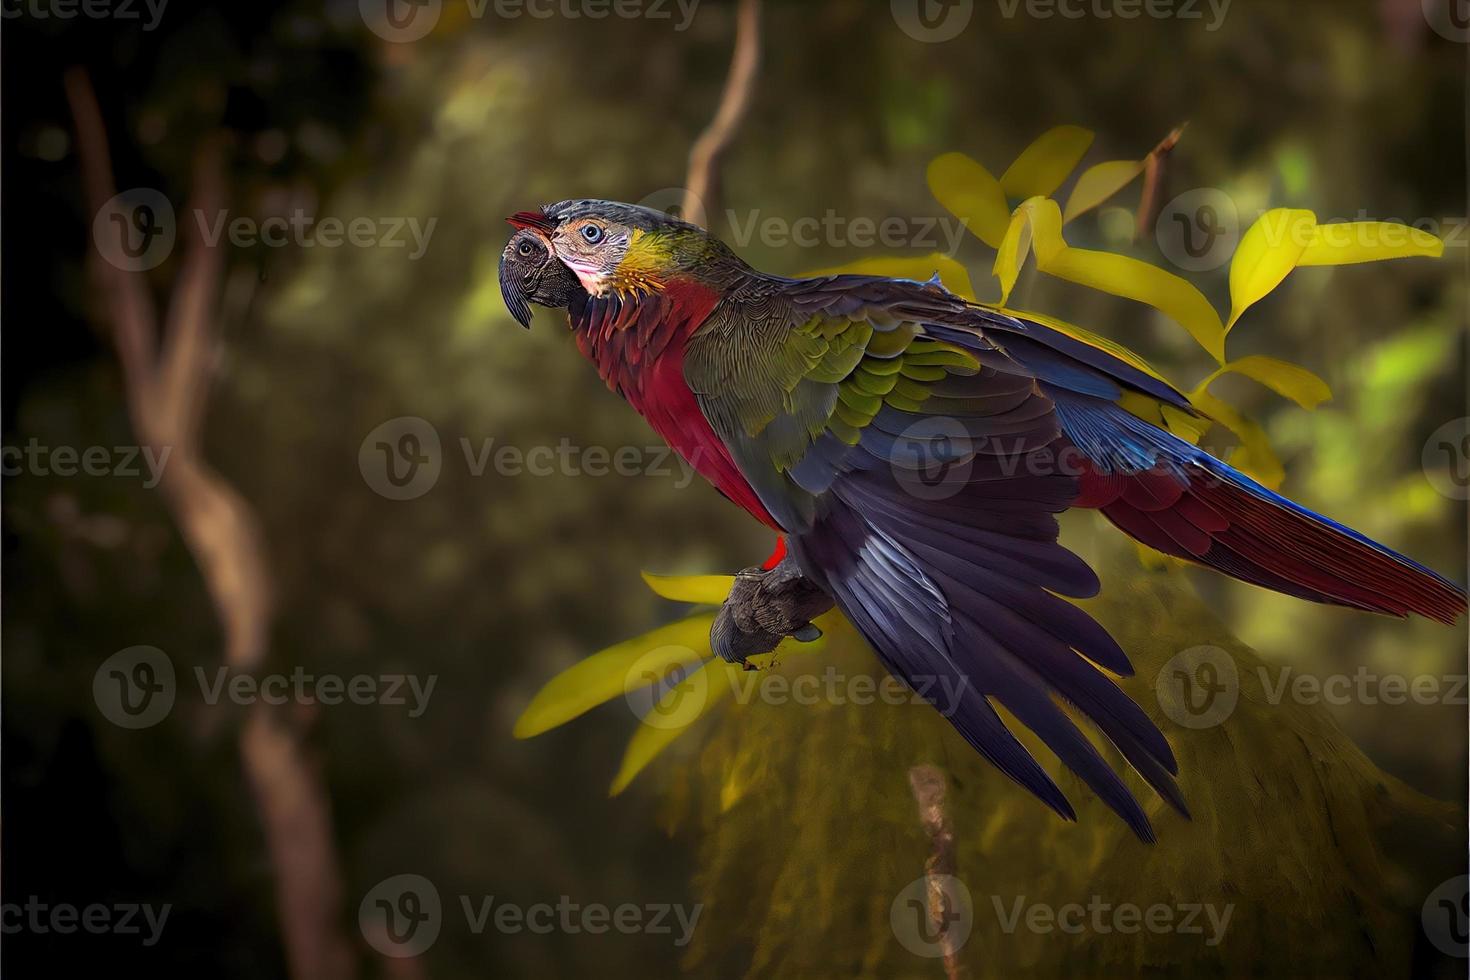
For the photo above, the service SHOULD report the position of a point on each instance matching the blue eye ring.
(591, 234)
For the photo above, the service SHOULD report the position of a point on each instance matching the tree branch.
(125, 294)
(1155, 173)
(189, 341)
(929, 786)
(701, 186)
(166, 396)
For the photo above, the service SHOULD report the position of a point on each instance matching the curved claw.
(764, 607)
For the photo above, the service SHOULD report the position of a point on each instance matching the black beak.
(512, 290)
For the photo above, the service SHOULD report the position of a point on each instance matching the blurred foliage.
(1313, 860)
(497, 582)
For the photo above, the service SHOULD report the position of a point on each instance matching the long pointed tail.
(1193, 506)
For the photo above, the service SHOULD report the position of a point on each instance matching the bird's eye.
(591, 234)
(525, 248)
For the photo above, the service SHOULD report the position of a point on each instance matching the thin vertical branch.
(1155, 182)
(702, 185)
(166, 375)
(929, 787)
(125, 295)
(189, 341)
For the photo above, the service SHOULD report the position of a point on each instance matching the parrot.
(823, 407)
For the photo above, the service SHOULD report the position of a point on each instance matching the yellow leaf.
(1142, 406)
(613, 672)
(1347, 243)
(1011, 255)
(1099, 183)
(1266, 255)
(1254, 457)
(1117, 275)
(971, 193)
(681, 706)
(1288, 380)
(951, 273)
(1042, 166)
(1190, 428)
(708, 590)
(1144, 283)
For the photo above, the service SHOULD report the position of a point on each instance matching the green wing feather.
(781, 364)
(773, 379)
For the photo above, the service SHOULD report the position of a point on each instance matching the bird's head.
(615, 248)
(530, 273)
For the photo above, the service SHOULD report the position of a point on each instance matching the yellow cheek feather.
(645, 263)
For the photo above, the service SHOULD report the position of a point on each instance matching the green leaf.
(1099, 183)
(1266, 255)
(1042, 166)
(971, 193)
(707, 590)
(1288, 380)
(614, 672)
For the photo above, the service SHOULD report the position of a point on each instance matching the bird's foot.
(765, 606)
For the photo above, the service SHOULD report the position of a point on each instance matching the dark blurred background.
(489, 582)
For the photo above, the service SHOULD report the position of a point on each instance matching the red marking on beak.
(532, 219)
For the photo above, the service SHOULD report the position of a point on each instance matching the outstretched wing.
(907, 442)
